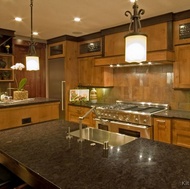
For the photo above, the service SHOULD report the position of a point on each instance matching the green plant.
(21, 84)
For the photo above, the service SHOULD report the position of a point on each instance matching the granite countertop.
(174, 114)
(29, 101)
(143, 163)
(168, 113)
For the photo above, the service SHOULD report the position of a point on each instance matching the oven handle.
(130, 124)
(101, 120)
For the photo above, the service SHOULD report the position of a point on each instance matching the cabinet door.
(90, 75)
(157, 40)
(181, 132)
(162, 130)
(56, 50)
(86, 66)
(182, 67)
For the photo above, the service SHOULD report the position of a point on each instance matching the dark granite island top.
(43, 151)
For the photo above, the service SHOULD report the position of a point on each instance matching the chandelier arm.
(128, 13)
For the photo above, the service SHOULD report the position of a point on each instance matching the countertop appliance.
(130, 118)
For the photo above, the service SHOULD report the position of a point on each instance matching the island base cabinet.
(24, 115)
(181, 132)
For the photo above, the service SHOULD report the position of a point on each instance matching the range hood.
(153, 58)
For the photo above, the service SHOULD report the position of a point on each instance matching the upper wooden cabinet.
(159, 44)
(90, 48)
(115, 44)
(90, 75)
(182, 32)
(182, 67)
(56, 50)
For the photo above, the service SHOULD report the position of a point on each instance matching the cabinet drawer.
(181, 133)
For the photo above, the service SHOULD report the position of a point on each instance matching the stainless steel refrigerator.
(56, 83)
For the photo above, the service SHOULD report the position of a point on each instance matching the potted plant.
(20, 93)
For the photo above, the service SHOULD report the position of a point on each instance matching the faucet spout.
(80, 122)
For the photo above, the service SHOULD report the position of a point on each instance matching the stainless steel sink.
(102, 136)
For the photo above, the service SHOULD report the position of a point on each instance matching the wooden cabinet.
(115, 44)
(65, 69)
(181, 32)
(6, 73)
(162, 129)
(76, 111)
(56, 50)
(90, 75)
(181, 132)
(29, 114)
(182, 67)
(90, 48)
(159, 44)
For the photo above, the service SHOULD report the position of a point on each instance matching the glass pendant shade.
(135, 48)
(32, 63)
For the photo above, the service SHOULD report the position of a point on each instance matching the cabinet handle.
(161, 121)
(62, 95)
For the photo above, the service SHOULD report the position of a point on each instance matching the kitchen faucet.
(80, 122)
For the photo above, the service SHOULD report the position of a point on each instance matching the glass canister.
(93, 95)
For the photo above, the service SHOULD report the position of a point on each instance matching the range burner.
(130, 112)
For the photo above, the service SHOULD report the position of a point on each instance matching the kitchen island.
(28, 111)
(43, 157)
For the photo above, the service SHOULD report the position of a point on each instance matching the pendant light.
(135, 42)
(32, 61)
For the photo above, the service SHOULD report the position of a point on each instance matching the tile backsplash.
(148, 84)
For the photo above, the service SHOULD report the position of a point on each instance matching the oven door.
(131, 129)
(103, 124)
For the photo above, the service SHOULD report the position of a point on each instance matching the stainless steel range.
(130, 118)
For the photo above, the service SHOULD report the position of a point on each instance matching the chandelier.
(135, 42)
(32, 61)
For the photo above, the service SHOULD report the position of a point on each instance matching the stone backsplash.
(148, 84)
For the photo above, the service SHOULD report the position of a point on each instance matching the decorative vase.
(93, 95)
(20, 95)
(2, 63)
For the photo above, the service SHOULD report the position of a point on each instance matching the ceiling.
(53, 18)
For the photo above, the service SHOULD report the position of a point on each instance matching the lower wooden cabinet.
(76, 111)
(181, 132)
(174, 131)
(162, 130)
(29, 114)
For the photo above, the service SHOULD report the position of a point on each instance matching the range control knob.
(145, 120)
(120, 117)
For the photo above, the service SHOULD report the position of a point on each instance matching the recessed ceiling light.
(77, 19)
(35, 33)
(18, 19)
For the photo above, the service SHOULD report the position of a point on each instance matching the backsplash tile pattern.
(148, 84)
